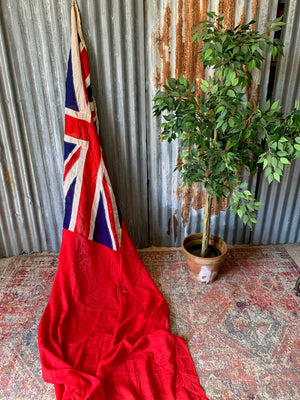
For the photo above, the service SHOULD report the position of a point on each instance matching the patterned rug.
(242, 330)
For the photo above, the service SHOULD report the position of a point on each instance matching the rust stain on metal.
(195, 196)
(243, 17)
(164, 45)
(229, 14)
(155, 43)
(254, 9)
(186, 202)
(189, 14)
(9, 180)
(175, 225)
(253, 92)
(169, 227)
(198, 197)
(156, 77)
(180, 59)
(227, 8)
(217, 208)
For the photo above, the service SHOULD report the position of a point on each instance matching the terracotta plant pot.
(205, 269)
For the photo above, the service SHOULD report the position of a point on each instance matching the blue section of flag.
(71, 101)
(68, 148)
(89, 93)
(101, 232)
(119, 214)
(68, 204)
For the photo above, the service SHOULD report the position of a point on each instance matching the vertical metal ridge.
(287, 77)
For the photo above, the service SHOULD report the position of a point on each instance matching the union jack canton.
(90, 205)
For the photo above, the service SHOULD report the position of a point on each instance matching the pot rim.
(212, 259)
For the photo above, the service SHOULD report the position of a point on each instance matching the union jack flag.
(90, 205)
(104, 333)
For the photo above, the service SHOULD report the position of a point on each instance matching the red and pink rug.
(242, 330)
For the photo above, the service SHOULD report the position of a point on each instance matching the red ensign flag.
(104, 334)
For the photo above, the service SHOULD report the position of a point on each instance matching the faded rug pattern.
(242, 331)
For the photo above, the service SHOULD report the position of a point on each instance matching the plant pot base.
(204, 270)
(205, 276)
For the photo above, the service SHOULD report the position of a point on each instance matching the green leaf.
(224, 127)
(275, 106)
(219, 109)
(186, 83)
(240, 213)
(232, 76)
(245, 219)
(254, 47)
(231, 122)
(219, 47)
(251, 65)
(204, 82)
(283, 140)
(184, 154)
(243, 185)
(267, 105)
(211, 14)
(219, 73)
(258, 203)
(268, 172)
(207, 53)
(192, 88)
(250, 206)
(194, 37)
(284, 161)
(277, 176)
(214, 89)
(231, 93)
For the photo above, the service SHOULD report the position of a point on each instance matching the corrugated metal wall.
(33, 49)
(176, 211)
(132, 45)
(279, 218)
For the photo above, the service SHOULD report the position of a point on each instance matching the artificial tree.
(221, 132)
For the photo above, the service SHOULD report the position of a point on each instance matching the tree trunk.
(206, 225)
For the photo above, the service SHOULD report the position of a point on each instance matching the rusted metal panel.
(174, 210)
(279, 219)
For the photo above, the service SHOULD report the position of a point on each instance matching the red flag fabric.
(104, 334)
